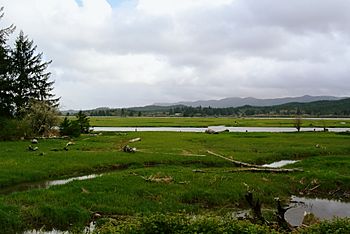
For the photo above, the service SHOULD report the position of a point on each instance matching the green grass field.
(159, 177)
(205, 122)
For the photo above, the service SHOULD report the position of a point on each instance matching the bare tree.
(297, 123)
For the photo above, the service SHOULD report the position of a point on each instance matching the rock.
(129, 149)
(70, 143)
(34, 141)
(31, 148)
(210, 131)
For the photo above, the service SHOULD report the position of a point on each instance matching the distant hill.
(236, 101)
(337, 108)
(331, 107)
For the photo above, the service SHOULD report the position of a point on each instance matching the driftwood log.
(235, 162)
(267, 169)
(252, 167)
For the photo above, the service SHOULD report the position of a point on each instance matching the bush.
(83, 122)
(41, 117)
(14, 129)
(69, 128)
(181, 223)
(335, 226)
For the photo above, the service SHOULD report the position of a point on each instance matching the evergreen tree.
(6, 93)
(69, 128)
(31, 80)
(83, 122)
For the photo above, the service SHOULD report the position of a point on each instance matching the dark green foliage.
(6, 93)
(9, 222)
(12, 129)
(160, 223)
(179, 223)
(83, 122)
(75, 127)
(327, 227)
(23, 75)
(70, 128)
(27, 106)
(56, 217)
(30, 79)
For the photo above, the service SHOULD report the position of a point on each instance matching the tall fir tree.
(30, 76)
(6, 88)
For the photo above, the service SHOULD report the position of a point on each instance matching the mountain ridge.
(237, 101)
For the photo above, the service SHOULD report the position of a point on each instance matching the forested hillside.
(339, 108)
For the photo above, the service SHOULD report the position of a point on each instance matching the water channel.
(43, 184)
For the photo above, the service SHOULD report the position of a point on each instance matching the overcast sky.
(120, 53)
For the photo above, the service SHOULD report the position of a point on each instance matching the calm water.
(43, 184)
(215, 128)
(323, 209)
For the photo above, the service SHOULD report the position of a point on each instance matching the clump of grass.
(171, 223)
(9, 219)
(325, 227)
(182, 223)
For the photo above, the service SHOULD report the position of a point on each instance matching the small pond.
(323, 209)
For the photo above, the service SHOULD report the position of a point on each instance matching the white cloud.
(171, 7)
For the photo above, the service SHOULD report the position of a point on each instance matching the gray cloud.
(146, 51)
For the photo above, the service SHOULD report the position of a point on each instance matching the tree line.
(338, 108)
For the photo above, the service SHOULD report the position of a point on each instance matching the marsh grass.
(210, 121)
(124, 191)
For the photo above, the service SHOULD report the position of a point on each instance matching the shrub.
(41, 117)
(69, 128)
(14, 129)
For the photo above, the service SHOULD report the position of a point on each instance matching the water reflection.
(221, 128)
(44, 184)
(323, 209)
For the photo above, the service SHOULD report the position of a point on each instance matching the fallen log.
(135, 140)
(274, 170)
(252, 167)
(237, 163)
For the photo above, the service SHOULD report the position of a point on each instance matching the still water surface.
(215, 128)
